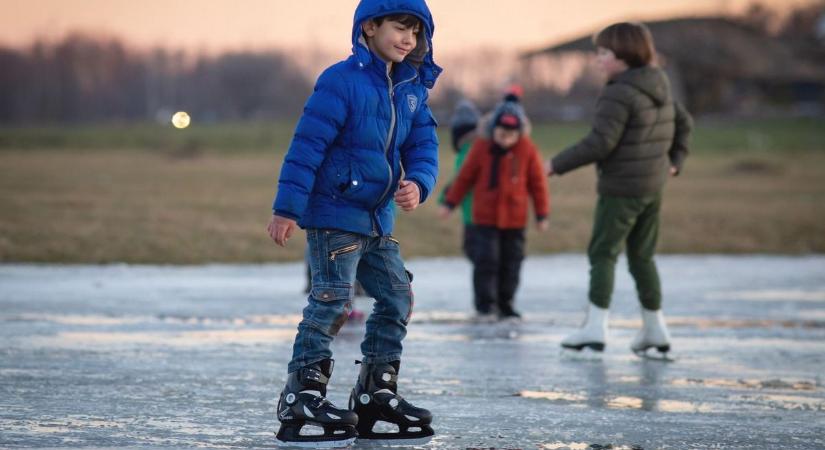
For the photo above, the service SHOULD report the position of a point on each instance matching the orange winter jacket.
(520, 174)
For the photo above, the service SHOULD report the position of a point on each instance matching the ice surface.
(102, 356)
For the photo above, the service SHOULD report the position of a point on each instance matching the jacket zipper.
(340, 251)
(390, 133)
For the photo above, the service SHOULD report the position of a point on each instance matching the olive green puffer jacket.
(639, 132)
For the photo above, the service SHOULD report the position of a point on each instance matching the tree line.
(84, 78)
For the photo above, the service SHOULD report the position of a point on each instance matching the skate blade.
(659, 356)
(593, 346)
(343, 443)
(586, 354)
(383, 442)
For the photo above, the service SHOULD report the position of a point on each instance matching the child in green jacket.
(639, 137)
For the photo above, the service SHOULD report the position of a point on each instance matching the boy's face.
(391, 41)
(505, 137)
(608, 63)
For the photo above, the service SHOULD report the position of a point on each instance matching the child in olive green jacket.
(639, 137)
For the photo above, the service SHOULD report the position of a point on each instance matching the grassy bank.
(165, 197)
(776, 135)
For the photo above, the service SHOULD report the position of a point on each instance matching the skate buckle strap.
(314, 375)
(318, 402)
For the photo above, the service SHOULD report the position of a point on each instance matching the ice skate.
(592, 334)
(376, 401)
(303, 402)
(509, 315)
(483, 317)
(653, 335)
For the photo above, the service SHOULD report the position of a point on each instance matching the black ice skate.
(302, 403)
(375, 400)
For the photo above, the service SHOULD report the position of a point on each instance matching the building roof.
(722, 47)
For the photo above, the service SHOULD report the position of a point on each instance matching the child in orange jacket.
(503, 170)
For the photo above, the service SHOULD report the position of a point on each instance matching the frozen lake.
(147, 356)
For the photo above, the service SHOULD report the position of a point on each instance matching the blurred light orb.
(181, 119)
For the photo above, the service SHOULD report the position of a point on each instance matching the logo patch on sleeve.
(412, 102)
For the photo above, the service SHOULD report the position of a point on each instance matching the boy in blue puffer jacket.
(366, 124)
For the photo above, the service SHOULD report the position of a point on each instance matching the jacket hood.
(651, 81)
(421, 57)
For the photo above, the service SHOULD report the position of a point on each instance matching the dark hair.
(408, 20)
(630, 42)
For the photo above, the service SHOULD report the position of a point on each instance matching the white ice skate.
(653, 335)
(592, 334)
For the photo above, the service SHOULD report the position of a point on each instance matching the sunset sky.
(216, 25)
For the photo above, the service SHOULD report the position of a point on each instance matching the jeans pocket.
(341, 243)
(328, 292)
(333, 307)
(391, 254)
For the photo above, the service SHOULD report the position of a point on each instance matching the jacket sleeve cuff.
(559, 165)
(540, 217)
(422, 193)
(677, 160)
(449, 205)
(287, 214)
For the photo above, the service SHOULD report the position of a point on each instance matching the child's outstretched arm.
(465, 180)
(681, 138)
(612, 113)
(419, 153)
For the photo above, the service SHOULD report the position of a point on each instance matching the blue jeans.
(336, 258)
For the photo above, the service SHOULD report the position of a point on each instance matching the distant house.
(718, 65)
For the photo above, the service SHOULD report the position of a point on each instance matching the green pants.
(620, 220)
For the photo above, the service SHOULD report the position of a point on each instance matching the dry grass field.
(201, 204)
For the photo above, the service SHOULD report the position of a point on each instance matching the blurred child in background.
(503, 170)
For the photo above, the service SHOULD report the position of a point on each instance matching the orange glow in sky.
(216, 25)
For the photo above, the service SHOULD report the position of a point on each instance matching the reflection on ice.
(799, 385)
(620, 402)
(92, 339)
(791, 295)
(553, 396)
(708, 323)
(784, 402)
(585, 446)
(102, 320)
(565, 446)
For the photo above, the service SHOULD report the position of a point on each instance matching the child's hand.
(543, 225)
(444, 212)
(280, 229)
(674, 171)
(548, 167)
(408, 195)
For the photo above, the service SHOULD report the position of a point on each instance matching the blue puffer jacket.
(360, 128)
